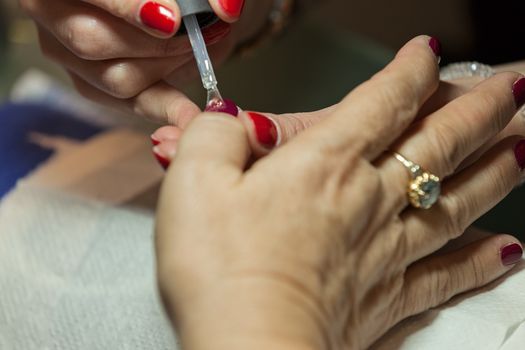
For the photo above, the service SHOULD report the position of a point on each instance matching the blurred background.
(329, 51)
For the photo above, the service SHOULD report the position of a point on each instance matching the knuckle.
(475, 273)
(121, 80)
(499, 180)
(442, 285)
(83, 37)
(446, 141)
(456, 213)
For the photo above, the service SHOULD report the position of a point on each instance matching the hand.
(124, 54)
(314, 246)
(287, 126)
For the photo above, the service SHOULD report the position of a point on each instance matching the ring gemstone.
(424, 190)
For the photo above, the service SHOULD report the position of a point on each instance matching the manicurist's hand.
(125, 53)
(316, 245)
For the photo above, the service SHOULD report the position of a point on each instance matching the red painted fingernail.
(265, 130)
(519, 152)
(435, 45)
(225, 106)
(232, 7)
(511, 254)
(154, 140)
(158, 17)
(163, 161)
(518, 89)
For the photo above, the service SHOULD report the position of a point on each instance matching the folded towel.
(79, 274)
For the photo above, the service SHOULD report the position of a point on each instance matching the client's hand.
(315, 246)
(286, 126)
(122, 53)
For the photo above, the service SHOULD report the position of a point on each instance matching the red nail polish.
(164, 162)
(232, 7)
(225, 106)
(154, 140)
(518, 89)
(158, 17)
(511, 254)
(265, 130)
(435, 45)
(519, 152)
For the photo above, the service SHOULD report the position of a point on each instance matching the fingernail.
(225, 106)
(154, 140)
(265, 130)
(158, 17)
(519, 152)
(511, 254)
(163, 160)
(232, 7)
(435, 45)
(518, 89)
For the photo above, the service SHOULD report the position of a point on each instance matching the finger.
(433, 281)
(160, 18)
(446, 92)
(268, 131)
(165, 152)
(166, 133)
(440, 142)
(93, 34)
(465, 197)
(121, 78)
(260, 128)
(516, 127)
(449, 91)
(160, 102)
(215, 145)
(372, 116)
(228, 10)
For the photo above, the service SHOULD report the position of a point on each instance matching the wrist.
(251, 315)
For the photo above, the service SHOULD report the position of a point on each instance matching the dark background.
(499, 30)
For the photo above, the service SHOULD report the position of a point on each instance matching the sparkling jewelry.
(466, 69)
(424, 189)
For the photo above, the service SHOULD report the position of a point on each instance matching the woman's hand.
(286, 126)
(124, 53)
(314, 246)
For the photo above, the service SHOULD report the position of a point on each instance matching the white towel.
(77, 274)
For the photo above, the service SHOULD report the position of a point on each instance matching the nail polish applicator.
(197, 14)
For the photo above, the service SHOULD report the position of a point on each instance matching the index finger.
(160, 18)
(377, 112)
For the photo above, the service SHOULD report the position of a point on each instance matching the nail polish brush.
(209, 80)
(197, 14)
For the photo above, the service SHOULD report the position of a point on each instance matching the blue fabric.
(19, 156)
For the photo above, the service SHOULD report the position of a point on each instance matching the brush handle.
(193, 7)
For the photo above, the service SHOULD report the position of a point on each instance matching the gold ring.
(424, 188)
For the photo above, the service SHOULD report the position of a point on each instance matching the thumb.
(160, 18)
(267, 131)
(213, 141)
